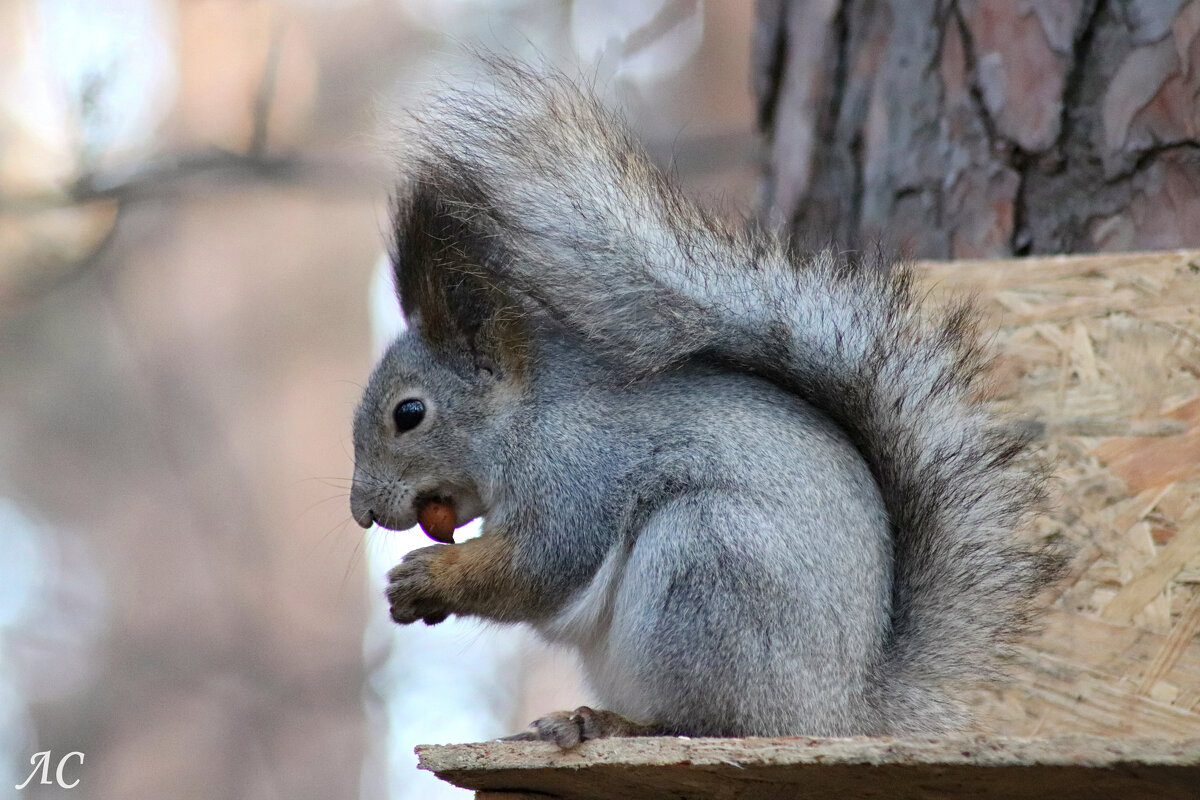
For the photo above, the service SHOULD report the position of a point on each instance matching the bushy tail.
(575, 218)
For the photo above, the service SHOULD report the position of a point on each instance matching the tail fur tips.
(579, 222)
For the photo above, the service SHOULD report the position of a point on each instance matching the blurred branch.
(673, 13)
(168, 176)
(266, 92)
(165, 177)
(162, 176)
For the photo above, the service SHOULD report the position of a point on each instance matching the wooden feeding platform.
(1102, 354)
(979, 768)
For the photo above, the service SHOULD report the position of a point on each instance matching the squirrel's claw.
(569, 729)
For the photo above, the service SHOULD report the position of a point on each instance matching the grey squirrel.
(754, 489)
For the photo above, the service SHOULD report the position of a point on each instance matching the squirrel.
(755, 489)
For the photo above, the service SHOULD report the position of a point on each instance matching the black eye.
(408, 414)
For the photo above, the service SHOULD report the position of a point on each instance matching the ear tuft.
(443, 239)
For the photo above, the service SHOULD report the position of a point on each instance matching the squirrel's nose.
(362, 512)
(365, 518)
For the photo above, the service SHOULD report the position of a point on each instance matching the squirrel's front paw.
(413, 592)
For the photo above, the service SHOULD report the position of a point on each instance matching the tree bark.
(978, 128)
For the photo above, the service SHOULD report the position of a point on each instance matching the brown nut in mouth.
(438, 519)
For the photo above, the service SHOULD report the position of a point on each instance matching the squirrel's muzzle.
(361, 507)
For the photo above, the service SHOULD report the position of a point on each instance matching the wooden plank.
(1076, 677)
(1173, 648)
(1065, 768)
(992, 275)
(1136, 594)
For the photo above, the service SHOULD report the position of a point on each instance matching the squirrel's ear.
(440, 246)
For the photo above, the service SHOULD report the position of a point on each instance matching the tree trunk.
(962, 128)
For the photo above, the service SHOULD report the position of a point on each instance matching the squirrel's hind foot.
(568, 729)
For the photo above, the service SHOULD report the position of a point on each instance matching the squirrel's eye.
(408, 414)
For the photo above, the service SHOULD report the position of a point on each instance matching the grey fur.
(754, 489)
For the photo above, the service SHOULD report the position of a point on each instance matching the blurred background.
(192, 214)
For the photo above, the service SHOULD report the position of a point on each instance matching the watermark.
(42, 761)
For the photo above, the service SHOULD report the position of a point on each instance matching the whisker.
(356, 556)
(316, 503)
